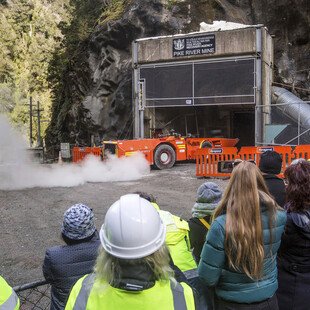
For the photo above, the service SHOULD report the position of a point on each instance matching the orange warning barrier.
(209, 160)
(253, 152)
(79, 153)
(302, 151)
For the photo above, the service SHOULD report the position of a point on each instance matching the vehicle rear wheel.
(164, 157)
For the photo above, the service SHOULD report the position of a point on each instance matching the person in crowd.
(294, 253)
(237, 161)
(209, 196)
(297, 160)
(177, 239)
(132, 269)
(8, 298)
(270, 164)
(148, 197)
(239, 256)
(178, 274)
(64, 265)
(182, 260)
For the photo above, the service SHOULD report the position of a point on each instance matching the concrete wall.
(227, 43)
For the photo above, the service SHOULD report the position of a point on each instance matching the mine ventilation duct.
(292, 106)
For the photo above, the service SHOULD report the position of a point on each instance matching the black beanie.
(270, 162)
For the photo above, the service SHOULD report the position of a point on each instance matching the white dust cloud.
(18, 172)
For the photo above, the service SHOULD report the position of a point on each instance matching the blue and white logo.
(179, 44)
(216, 151)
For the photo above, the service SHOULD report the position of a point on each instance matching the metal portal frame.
(183, 79)
(142, 101)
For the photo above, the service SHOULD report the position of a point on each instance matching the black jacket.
(197, 235)
(276, 188)
(64, 265)
(294, 263)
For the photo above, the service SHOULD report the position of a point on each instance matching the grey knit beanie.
(209, 195)
(78, 222)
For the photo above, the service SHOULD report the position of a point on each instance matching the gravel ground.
(31, 219)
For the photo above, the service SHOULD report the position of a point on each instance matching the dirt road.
(31, 219)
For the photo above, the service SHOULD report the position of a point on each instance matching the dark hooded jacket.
(294, 263)
(276, 188)
(64, 265)
(197, 235)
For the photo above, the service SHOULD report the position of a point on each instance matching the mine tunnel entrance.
(200, 99)
(230, 121)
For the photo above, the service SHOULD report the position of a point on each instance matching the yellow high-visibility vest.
(177, 239)
(8, 298)
(155, 205)
(164, 295)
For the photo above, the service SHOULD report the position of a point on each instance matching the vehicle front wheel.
(164, 157)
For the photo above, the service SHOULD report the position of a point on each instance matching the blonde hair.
(244, 244)
(107, 267)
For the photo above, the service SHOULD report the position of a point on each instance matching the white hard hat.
(132, 228)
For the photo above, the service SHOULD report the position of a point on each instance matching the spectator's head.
(246, 179)
(270, 162)
(297, 160)
(148, 197)
(78, 224)
(237, 161)
(133, 233)
(298, 184)
(209, 195)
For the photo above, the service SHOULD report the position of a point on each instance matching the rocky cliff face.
(103, 108)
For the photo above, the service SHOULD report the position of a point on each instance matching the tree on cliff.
(29, 33)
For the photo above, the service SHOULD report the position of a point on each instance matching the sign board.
(65, 150)
(264, 149)
(216, 151)
(194, 46)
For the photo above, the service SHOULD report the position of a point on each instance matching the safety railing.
(79, 153)
(34, 296)
(218, 162)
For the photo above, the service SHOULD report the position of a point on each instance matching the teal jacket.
(229, 284)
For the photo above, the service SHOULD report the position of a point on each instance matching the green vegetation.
(38, 41)
(42, 43)
(29, 33)
(170, 3)
(113, 9)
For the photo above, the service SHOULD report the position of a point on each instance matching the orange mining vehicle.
(160, 152)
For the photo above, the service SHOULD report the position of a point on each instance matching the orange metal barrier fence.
(209, 160)
(302, 151)
(79, 153)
